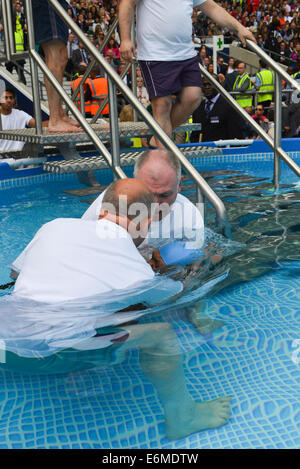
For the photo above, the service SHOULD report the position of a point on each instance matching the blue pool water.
(254, 357)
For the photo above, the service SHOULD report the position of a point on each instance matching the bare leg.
(161, 362)
(169, 116)
(56, 58)
(161, 109)
(188, 100)
(204, 324)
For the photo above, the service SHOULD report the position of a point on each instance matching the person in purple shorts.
(166, 53)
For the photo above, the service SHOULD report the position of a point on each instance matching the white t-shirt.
(184, 221)
(15, 120)
(164, 29)
(72, 258)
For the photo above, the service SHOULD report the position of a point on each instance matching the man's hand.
(243, 34)
(221, 17)
(127, 50)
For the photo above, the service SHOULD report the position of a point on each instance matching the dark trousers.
(19, 66)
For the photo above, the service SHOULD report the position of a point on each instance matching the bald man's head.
(128, 203)
(133, 190)
(160, 170)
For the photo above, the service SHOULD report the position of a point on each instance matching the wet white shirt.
(184, 222)
(72, 258)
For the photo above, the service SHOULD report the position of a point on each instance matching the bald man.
(72, 259)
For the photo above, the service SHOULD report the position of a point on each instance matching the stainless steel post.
(7, 20)
(34, 69)
(133, 69)
(200, 202)
(114, 129)
(277, 128)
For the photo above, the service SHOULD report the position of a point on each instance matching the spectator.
(221, 67)
(87, 94)
(98, 91)
(291, 120)
(112, 45)
(284, 53)
(295, 55)
(12, 119)
(71, 47)
(260, 118)
(98, 36)
(218, 119)
(265, 81)
(75, 10)
(79, 55)
(202, 54)
(19, 36)
(142, 93)
(242, 83)
(231, 77)
(230, 67)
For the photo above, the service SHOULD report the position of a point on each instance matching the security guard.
(99, 91)
(87, 94)
(20, 27)
(242, 83)
(296, 74)
(265, 81)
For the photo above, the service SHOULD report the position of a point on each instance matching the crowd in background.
(276, 26)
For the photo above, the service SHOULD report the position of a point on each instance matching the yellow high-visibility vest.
(136, 142)
(243, 99)
(267, 79)
(19, 37)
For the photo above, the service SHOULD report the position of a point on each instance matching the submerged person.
(177, 217)
(74, 258)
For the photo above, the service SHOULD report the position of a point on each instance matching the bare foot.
(153, 142)
(70, 120)
(202, 416)
(61, 126)
(104, 126)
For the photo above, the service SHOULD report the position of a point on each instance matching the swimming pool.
(253, 357)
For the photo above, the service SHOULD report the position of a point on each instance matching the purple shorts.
(165, 78)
